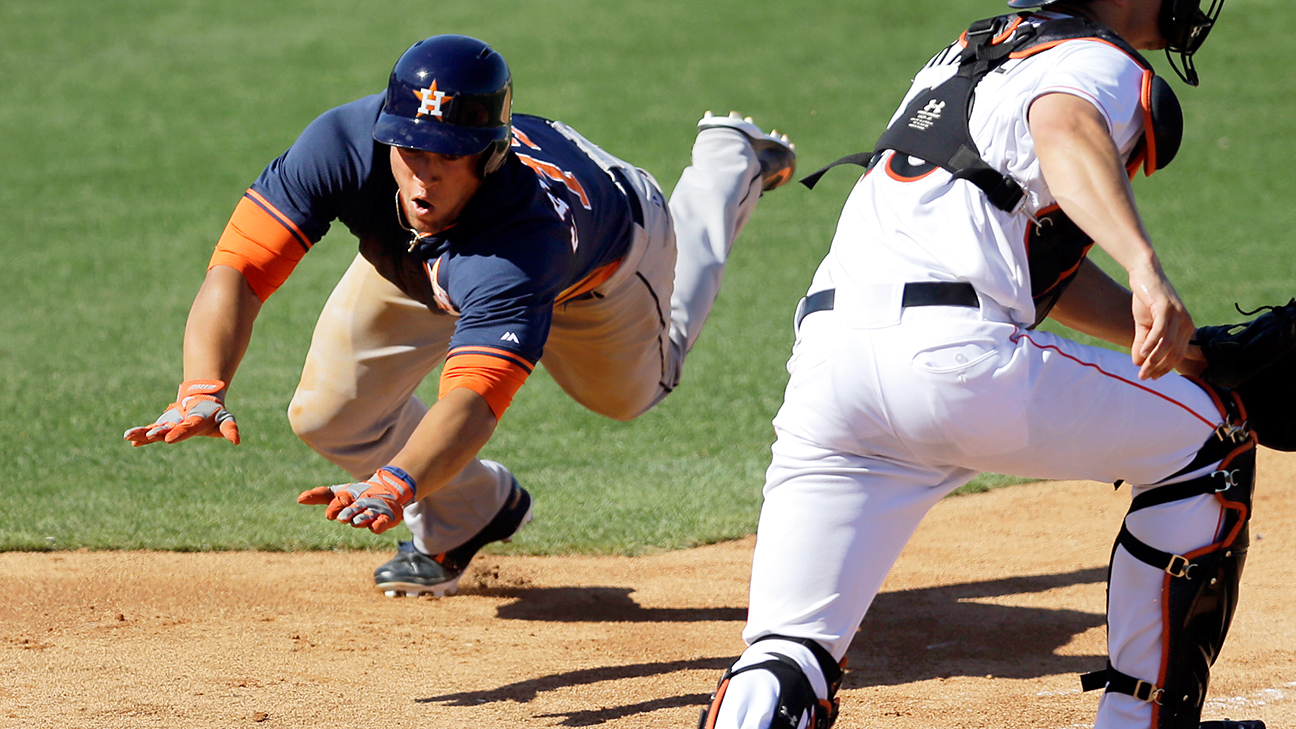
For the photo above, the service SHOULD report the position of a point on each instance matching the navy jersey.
(548, 225)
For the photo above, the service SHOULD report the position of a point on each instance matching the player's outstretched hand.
(199, 409)
(378, 503)
(1162, 325)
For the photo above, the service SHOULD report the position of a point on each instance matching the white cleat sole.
(409, 589)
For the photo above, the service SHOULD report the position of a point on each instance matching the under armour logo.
(927, 116)
(432, 100)
(509, 337)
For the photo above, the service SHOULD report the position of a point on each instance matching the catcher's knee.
(1200, 590)
(797, 704)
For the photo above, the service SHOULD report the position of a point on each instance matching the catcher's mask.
(1185, 26)
(449, 94)
(1183, 23)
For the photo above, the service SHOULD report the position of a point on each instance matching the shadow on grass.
(908, 636)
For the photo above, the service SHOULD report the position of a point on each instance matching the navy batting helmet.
(1183, 23)
(449, 94)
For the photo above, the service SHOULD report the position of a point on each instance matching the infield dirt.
(987, 618)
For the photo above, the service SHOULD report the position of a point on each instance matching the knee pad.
(1200, 589)
(797, 705)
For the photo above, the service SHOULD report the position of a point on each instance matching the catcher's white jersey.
(894, 229)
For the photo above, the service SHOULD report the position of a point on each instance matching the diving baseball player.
(917, 365)
(488, 241)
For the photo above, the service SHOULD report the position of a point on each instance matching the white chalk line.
(1263, 697)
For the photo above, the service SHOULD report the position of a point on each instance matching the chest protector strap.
(934, 127)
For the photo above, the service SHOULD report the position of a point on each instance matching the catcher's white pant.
(888, 410)
(617, 355)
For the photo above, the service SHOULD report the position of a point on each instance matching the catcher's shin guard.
(1200, 589)
(797, 706)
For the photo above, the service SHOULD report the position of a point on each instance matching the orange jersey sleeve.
(495, 374)
(261, 243)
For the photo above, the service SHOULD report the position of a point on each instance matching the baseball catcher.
(918, 365)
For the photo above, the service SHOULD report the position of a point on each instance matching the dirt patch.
(989, 614)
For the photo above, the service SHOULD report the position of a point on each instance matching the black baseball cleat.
(777, 155)
(411, 572)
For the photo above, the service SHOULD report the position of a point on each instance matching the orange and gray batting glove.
(378, 503)
(199, 409)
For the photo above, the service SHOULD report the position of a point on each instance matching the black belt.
(921, 293)
(631, 195)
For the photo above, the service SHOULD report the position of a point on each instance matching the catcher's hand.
(378, 503)
(1236, 353)
(199, 409)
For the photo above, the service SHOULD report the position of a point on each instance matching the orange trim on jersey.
(520, 137)
(495, 379)
(596, 278)
(439, 295)
(257, 243)
(504, 354)
(283, 219)
(901, 178)
(557, 174)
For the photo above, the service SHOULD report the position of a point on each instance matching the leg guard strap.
(1120, 683)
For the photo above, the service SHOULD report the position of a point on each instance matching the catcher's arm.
(216, 337)
(1096, 304)
(1084, 172)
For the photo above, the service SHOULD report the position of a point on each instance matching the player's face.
(434, 188)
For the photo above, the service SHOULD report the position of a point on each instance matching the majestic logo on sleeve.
(432, 100)
(927, 116)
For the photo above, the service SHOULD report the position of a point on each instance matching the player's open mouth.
(421, 206)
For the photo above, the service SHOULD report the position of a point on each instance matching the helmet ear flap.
(493, 158)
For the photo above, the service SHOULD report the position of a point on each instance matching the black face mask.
(1185, 26)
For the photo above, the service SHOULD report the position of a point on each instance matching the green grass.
(128, 131)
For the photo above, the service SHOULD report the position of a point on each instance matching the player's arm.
(253, 257)
(1098, 305)
(477, 386)
(1084, 172)
(450, 435)
(219, 328)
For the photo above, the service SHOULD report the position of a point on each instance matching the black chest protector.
(933, 132)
